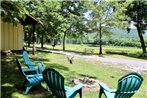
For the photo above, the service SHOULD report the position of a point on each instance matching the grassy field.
(115, 51)
(11, 79)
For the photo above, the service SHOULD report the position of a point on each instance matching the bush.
(115, 41)
(130, 42)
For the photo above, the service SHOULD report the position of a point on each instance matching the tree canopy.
(62, 19)
(137, 11)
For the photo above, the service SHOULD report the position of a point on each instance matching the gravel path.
(128, 64)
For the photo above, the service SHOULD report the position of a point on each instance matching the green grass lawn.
(115, 51)
(11, 79)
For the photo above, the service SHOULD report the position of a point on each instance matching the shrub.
(130, 42)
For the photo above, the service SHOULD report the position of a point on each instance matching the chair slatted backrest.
(26, 58)
(55, 81)
(19, 66)
(128, 85)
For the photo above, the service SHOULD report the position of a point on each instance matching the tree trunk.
(141, 39)
(42, 43)
(100, 51)
(65, 37)
(64, 41)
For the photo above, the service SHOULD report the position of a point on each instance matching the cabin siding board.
(11, 36)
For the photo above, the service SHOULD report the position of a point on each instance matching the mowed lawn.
(12, 80)
(112, 51)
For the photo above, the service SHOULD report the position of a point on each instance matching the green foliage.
(137, 11)
(67, 19)
(103, 15)
(121, 42)
(12, 10)
(58, 18)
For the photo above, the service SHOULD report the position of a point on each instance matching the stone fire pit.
(90, 84)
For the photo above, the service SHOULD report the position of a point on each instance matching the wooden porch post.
(33, 52)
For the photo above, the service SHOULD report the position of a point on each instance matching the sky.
(132, 26)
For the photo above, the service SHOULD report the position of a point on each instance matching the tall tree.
(137, 11)
(72, 12)
(48, 13)
(103, 17)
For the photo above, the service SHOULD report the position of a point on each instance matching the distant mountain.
(124, 33)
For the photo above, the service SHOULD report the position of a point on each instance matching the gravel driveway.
(125, 63)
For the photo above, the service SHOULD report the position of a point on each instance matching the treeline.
(70, 20)
(113, 41)
(129, 42)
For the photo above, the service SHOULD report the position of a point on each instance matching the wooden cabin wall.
(11, 36)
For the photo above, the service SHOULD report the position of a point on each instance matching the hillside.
(119, 33)
(124, 34)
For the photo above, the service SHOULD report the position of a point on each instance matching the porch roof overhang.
(30, 20)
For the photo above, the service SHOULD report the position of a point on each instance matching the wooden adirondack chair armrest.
(31, 76)
(36, 65)
(113, 90)
(71, 90)
(78, 86)
(41, 65)
(32, 64)
(41, 68)
(38, 62)
(104, 87)
(127, 92)
(35, 75)
(29, 70)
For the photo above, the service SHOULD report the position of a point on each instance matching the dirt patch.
(90, 84)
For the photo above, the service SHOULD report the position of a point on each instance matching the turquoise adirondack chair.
(31, 79)
(55, 82)
(128, 85)
(32, 65)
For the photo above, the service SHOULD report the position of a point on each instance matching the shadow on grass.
(39, 59)
(78, 52)
(92, 45)
(12, 80)
(9, 76)
(49, 49)
(7, 91)
(58, 66)
(135, 55)
(83, 75)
